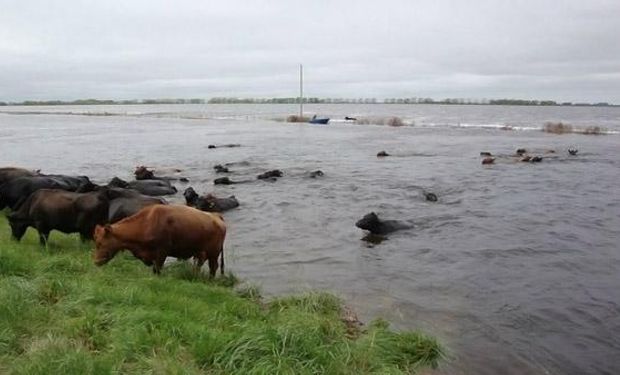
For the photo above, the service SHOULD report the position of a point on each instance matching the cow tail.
(222, 259)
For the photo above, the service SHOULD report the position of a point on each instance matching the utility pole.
(301, 91)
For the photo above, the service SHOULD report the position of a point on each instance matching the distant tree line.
(106, 102)
(413, 100)
(311, 100)
(290, 100)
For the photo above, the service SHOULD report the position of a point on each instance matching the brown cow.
(159, 231)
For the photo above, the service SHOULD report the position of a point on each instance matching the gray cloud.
(523, 49)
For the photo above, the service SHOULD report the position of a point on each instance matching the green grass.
(60, 314)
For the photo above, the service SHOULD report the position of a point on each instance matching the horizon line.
(308, 100)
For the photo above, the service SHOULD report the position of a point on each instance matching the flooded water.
(516, 268)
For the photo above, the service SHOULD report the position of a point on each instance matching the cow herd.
(73, 204)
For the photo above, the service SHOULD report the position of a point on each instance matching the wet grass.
(62, 315)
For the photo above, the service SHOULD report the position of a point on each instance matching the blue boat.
(319, 120)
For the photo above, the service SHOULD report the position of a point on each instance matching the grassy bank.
(59, 314)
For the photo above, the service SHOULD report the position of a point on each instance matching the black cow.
(431, 197)
(270, 174)
(16, 191)
(65, 211)
(317, 173)
(146, 187)
(128, 203)
(10, 173)
(80, 184)
(209, 202)
(373, 224)
(221, 169)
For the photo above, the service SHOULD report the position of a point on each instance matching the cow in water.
(374, 225)
(209, 202)
(160, 231)
(146, 187)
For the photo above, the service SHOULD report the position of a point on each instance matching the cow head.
(190, 196)
(368, 222)
(106, 244)
(18, 225)
(119, 183)
(86, 186)
(108, 193)
(142, 173)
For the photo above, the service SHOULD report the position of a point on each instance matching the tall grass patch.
(563, 128)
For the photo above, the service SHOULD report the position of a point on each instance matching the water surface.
(516, 268)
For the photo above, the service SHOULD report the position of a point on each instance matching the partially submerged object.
(431, 197)
(373, 224)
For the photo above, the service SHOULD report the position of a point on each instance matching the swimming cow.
(373, 224)
(146, 187)
(143, 173)
(159, 231)
(221, 169)
(270, 175)
(431, 197)
(315, 174)
(209, 202)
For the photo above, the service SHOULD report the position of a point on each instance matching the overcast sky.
(565, 50)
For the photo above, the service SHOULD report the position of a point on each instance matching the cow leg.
(212, 266)
(44, 233)
(43, 236)
(200, 261)
(222, 261)
(159, 262)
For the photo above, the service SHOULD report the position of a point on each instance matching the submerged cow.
(373, 224)
(159, 231)
(65, 211)
(228, 181)
(143, 173)
(146, 187)
(315, 174)
(269, 175)
(431, 197)
(209, 202)
(221, 169)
